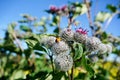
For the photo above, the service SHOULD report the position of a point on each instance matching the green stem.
(51, 59)
(69, 77)
(72, 72)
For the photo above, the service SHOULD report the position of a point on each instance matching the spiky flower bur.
(48, 40)
(63, 62)
(92, 44)
(93, 57)
(80, 35)
(109, 48)
(102, 48)
(60, 47)
(67, 34)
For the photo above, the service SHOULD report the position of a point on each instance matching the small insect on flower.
(80, 35)
(60, 47)
(92, 44)
(63, 62)
(58, 39)
(67, 34)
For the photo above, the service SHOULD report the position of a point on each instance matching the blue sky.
(10, 11)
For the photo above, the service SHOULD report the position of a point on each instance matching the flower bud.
(92, 43)
(109, 48)
(80, 35)
(63, 62)
(93, 57)
(48, 41)
(102, 48)
(67, 34)
(60, 47)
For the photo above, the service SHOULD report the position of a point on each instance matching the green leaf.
(56, 19)
(111, 8)
(31, 43)
(102, 16)
(23, 21)
(58, 75)
(56, 30)
(25, 28)
(87, 66)
(17, 74)
(104, 35)
(83, 9)
(41, 75)
(53, 24)
(38, 47)
(10, 28)
(78, 51)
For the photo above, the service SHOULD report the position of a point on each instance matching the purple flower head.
(63, 8)
(54, 8)
(82, 31)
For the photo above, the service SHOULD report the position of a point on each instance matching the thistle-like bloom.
(93, 57)
(63, 62)
(102, 48)
(67, 34)
(48, 41)
(109, 48)
(92, 44)
(53, 9)
(60, 47)
(81, 35)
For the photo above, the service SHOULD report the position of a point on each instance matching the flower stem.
(69, 77)
(51, 59)
(72, 72)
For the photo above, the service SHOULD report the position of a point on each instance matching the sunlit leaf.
(25, 28)
(31, 43)
(102, 16)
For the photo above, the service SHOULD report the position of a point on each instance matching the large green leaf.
(87, 66)
(78, 51)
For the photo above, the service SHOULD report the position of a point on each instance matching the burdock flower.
(48, 40)
(102, 48)
(109, 48)
(67, 34)
(53, 9)
(80, 35)
(93, 57)
(92, 43)
(63, 62)
(60, 47)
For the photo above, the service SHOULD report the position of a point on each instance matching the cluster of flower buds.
(91, 43)
(64, 10)
(63, 61)
(60, 11)
(61, 49)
